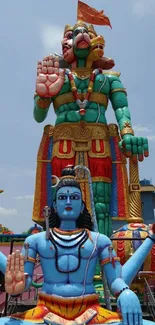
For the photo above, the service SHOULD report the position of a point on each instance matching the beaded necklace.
(69, 239)
(79, 243)
(82, 104)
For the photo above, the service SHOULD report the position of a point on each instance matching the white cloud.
(4, 212)
(142, 8)
(141, 128)
(151, 137)
(28, 172)
(22, 172)
(24, 197)
(51, 37)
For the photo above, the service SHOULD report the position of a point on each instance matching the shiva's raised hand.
(15, 277)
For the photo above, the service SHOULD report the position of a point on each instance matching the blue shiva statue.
(69, 252)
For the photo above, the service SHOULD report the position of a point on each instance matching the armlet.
(123, 90)
(114, 73)
(43, 102)
(27, 257)
(109, 260)
(30, 259)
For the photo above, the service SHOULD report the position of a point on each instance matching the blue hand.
(130, 308)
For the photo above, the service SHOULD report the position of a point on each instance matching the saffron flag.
(91, 15)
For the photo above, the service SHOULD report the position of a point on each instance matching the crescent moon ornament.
(57, 180)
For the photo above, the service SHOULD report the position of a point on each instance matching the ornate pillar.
(134, 193)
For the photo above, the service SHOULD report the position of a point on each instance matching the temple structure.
(148, 201)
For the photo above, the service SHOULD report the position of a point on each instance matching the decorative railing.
(149, 291)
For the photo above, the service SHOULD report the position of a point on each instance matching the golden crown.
(92, 30)
(80, 24)
(68, 28)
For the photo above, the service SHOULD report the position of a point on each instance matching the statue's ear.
(54, 206)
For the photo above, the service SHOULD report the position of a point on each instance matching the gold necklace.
(68, 232)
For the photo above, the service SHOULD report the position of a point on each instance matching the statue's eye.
(62, 197)
(77, 32)
(75, 197)
(70, 36)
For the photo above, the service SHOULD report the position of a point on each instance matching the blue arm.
(111, 265)
(127, 301)
(30, 252)
(128, 271)
(3, 260)
(132, 266)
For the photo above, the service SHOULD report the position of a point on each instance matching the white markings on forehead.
(68, 190)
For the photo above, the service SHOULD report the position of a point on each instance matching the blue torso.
(68, 271)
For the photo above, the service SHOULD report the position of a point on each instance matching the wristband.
(43, 102)
(118, 293)
(127, 130)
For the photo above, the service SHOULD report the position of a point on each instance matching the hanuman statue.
(80, 86)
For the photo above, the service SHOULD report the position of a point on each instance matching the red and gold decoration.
(119, 205)
(64, 308)
(136, 232)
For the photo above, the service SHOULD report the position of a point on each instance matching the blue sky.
(30, 30)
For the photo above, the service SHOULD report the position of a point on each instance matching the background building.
(148, 201)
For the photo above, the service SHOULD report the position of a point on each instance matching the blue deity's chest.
(69, 251)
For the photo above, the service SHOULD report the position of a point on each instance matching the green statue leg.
(102, 195)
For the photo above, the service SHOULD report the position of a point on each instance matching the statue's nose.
(68, 202)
